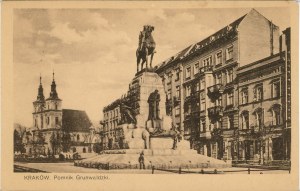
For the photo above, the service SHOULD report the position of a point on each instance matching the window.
(218, 124)
(244, 95)
(218, 78)
(245, 120)
(230, 122)
(188, 108)
(47, 120)
(197, 87)
(229, 76)
(258, 119)
(188, 91)
(258, 93)
(275, 89)
(219, 101)
(196, 68)
(56, 120)
(56, 106)
(177, 111)
(169, 94)
(219, 58)
(207, 61)
(188, 72)
(230, 98)
(202, 126)
(229, 53)
(169, 78)
(276, 116)
(177, 92)
(202, 85)
(35, 122)
(177, 73)
(202, 95)
(202, 106)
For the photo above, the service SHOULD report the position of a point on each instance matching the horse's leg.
(151, 60)
(146, 57)
(143, 61)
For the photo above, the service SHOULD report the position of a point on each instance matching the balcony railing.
(216, 111)
(206, 69)
(215, 91)
(206, 134)
(176, 100)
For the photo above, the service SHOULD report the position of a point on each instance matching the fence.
(215, 171)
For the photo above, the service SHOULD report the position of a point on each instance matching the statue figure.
(127, 113)
(153, 102)
(146, 47)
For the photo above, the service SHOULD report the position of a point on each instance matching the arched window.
(78, 137)
(276, 114)
(245, 120)
(258, 115)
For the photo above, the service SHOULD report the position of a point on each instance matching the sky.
(92, 51)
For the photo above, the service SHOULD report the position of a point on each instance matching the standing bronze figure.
(146, 47)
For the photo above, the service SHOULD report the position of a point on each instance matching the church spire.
(53, 93)
(40, 96)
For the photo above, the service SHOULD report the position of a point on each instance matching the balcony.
(206, 69)
(228, 132)
(215, 91)
(206, 135)
(169, 103)
(215, 112)
(176, 100)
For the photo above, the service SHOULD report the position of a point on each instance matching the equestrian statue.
(146, 47)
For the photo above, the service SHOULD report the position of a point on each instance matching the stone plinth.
(161, 143)
(146, 83)
(160, 158)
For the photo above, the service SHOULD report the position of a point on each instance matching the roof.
(75, 120)
(203, 43)
(197, 47)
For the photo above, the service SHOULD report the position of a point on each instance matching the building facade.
(229, 94)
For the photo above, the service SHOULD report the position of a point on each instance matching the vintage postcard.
(125, 95)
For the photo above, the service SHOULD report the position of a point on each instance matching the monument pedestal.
(160, 158)
(152, 134)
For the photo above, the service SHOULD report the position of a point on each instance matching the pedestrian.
(142, 161)
(175, 139)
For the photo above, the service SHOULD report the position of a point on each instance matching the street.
(70, 168)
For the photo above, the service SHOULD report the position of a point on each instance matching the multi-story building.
(232, 83)
(205, 93)
(111, 132)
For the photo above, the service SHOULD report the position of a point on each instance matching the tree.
(55, 141)
(66, 142)
(18, 145)
(97, 147)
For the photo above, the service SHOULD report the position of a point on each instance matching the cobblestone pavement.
(70, 168)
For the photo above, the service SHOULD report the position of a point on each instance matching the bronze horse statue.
(146, 47)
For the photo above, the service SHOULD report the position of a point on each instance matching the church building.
(57, 130)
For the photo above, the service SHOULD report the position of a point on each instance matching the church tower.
(38, 107)
(53, 109)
